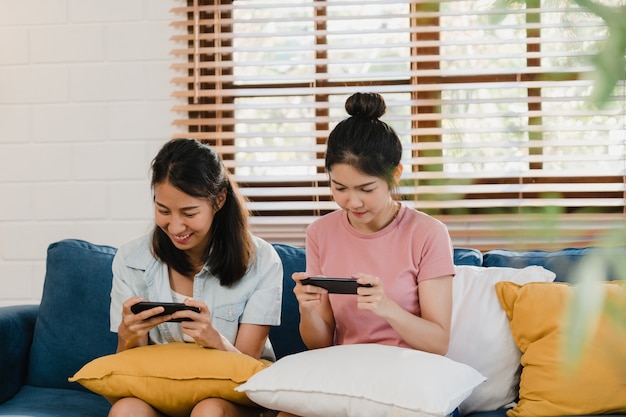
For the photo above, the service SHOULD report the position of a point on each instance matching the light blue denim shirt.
(255, 299)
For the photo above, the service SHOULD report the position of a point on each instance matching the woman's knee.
(212, 407)
(134, 407)
(217, 407)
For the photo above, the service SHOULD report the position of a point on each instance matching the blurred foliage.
(610, 62)
(588, 304)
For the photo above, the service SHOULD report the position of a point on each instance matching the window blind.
(501, 140)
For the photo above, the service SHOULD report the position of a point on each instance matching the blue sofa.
(42, 345)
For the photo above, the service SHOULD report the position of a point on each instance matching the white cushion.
(480, 334)
(363, 380)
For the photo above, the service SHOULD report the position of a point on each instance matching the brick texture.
(85, 101)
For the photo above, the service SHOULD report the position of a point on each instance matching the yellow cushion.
(549, 386)
(171, 377)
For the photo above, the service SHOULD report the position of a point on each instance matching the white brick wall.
(85, 103)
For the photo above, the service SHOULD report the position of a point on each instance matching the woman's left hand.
(372, 298)
(200, 328)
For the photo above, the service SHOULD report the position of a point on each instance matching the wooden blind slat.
(494, 115)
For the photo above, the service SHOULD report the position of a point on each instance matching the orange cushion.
(171, 377)
(549, 386)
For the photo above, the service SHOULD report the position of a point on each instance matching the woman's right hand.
(309, 296)
(317, 324)
(133, 330)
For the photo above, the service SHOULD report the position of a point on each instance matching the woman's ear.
(397, 173)
(220, 199)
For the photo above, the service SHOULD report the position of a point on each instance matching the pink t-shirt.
(414, 247)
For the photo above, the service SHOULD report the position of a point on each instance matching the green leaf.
(586, 308)
(610, 61)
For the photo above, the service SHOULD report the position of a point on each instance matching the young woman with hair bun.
(406, 256)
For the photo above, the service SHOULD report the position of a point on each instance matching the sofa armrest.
(17, 324)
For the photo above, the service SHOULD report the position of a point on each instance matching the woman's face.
(185, 219)
(367, 199)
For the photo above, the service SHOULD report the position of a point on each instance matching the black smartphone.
(169, 308)
(335, 285)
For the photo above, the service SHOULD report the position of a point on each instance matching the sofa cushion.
(562, 262)
(53, 402)
(171, 377)
(364, 380)
(550, 385)
(286, 337)
(73, 323)
(468, 256)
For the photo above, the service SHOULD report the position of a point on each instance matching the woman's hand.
(133, 330)
(372, 298)
(309, 296)
(430, 331)
(250, 337)
(200, 328)
(317, 324)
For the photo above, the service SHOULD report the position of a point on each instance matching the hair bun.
(368, 105)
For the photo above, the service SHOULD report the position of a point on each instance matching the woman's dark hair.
(197, 170)
(363, 141)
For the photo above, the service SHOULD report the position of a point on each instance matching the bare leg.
(217, 407)
(133, 407)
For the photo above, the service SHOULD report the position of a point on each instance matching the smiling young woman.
(200, 253)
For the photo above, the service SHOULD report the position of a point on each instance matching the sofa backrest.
(73, 323)
(72, 327)
(564, 262)
(468, 256)
(286, 337)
